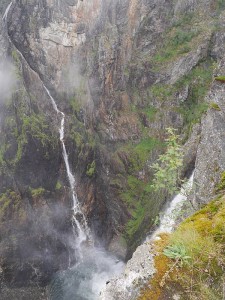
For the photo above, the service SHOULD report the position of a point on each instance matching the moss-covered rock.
(201, 273)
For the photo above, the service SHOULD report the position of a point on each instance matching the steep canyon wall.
(122, 72)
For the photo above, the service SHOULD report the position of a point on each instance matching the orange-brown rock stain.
(161, 286)
(153, 291)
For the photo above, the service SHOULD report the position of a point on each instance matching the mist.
(7, 80)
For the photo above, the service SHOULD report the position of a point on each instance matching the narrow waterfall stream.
(141, 267)
(172, 211)
(79, 221)
(94, 267)
(4, 18)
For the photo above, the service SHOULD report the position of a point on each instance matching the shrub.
(177, 252)
(167, 168)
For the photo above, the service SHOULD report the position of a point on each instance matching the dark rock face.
(122, 71)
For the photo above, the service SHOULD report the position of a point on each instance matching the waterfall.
(78, 219)
(79, 222)
(170, 214)
(4, 18)
(94, 265)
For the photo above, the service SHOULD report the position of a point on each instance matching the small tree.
(168, 166)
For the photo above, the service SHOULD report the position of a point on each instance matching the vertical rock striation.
(122, 72)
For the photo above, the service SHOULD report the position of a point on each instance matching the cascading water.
(4, 18)
(87, 278)
(170, 214)
(94, 266)
(79, 221)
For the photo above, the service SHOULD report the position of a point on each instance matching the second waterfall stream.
(94, 267)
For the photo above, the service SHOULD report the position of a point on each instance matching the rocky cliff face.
(122, 71)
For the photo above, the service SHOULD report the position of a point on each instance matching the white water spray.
(169, 216)
(95, 266)
(79, 221)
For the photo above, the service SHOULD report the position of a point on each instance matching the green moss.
(177, 44)
(150, 112)
(36, 193)
(220, 5)
(58, 186)
(36, 126)
(137, 193)
(199, 81)
(221, 185)
(91, 169)
(139, 154)
(220, 78)
(9, 202)
(203, 235)
(215, 106)
(134, 190)
(15, 56)
(162, 91)
(144, 148)
(134, 223)
(184, 20)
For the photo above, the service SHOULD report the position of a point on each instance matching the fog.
(7, 80)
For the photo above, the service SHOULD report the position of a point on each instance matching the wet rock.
(138, 271)
(210, 155)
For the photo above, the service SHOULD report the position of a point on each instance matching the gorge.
(87, 91)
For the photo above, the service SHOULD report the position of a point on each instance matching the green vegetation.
(220, 5)
(142, 150)
(215, 106)
(36, 193)
(220, 78)
(138, 194)
(199, 81)
(221, 185)
(58, 186)
(195, 257)
(9, 201)
(36, 127)
(177, 252)
(133, 193)
(138, 154)
(167, 168)
(138, 216)
(203, 236)
(91, 169)
(162, 92)
(179, 42)
(150, 112)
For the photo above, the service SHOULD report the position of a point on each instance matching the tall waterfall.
(79, 221)
(95, 266)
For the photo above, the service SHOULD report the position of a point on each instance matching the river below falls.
(85, 280)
